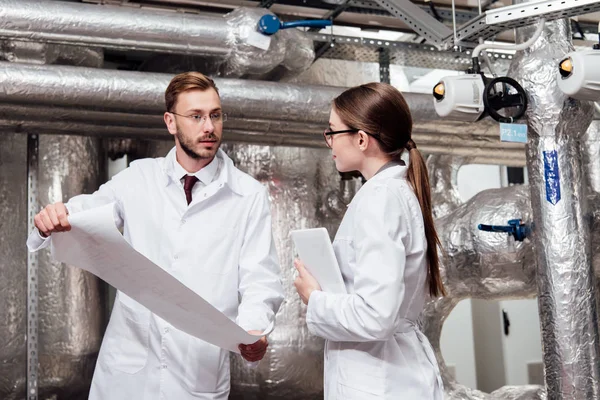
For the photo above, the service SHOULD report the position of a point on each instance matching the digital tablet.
(316, 252)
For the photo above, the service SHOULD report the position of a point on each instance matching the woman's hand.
(305, 283)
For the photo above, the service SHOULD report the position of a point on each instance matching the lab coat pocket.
(202, 366)
(360, 373)
(127, 341)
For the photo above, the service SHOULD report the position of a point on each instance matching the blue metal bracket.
(270, 24)
(515, 227)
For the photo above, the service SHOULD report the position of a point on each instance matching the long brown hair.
(380, 110)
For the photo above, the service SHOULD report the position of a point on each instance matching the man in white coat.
(205, 222)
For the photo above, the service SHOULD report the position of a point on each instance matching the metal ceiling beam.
(361, 13)
(403, 53)
(419, 20)
(504, 18)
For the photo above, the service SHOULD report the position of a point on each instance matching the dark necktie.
(188, 184)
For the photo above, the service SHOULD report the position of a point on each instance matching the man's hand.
(256, 351)
(52, 218)
(305, 283)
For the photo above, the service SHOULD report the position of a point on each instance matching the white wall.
(487, 333)
(474, 178)
(523, 344)
(456, 343)
(116, 166)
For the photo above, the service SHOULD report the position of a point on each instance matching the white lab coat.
(220, 245)
(374, 349)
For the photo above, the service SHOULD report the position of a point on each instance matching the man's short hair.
(185, 82)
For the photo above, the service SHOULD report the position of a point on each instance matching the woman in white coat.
(386, 247)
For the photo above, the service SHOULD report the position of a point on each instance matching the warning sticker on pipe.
(552, 176)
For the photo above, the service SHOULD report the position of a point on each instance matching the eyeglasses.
(327, 134)
(215, 118)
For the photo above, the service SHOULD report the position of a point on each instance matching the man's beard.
(188, 144)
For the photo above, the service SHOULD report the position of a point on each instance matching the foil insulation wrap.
(487, 265)
(590, 149)
(115, 27)
(71, 302)
(72, 100)
(443, 179)
(13, 267)
(44, 53)
(139, 93)
(561, 217)
(481, 265)
(290, 48)
(229, 41)
(298, 181)
(299, 51)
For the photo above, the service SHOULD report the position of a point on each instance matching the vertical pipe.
(566, 289)
(71, 301)
(443, 178)
(13, 266)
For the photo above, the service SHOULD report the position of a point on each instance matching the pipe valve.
(269, 24)
(515, 227)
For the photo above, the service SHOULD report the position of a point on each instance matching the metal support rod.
(494, 21)
(384, 65)
(454, 23)
(321, 49)
(32, 271)
(267, 3)
(331, 15)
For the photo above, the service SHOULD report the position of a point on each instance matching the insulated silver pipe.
(76, 100)
(472, 149)
(124, 28)
(561, 218)
(137, 99)
(32, 117)
(143, 93)
(226, 42)
(13, 285)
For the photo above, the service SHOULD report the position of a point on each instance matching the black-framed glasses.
(215, 118)
(327, 134)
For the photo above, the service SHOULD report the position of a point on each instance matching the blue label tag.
(513, 133)
(552, 177)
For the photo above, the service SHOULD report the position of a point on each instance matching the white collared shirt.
(205, 175)
(220, 245)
